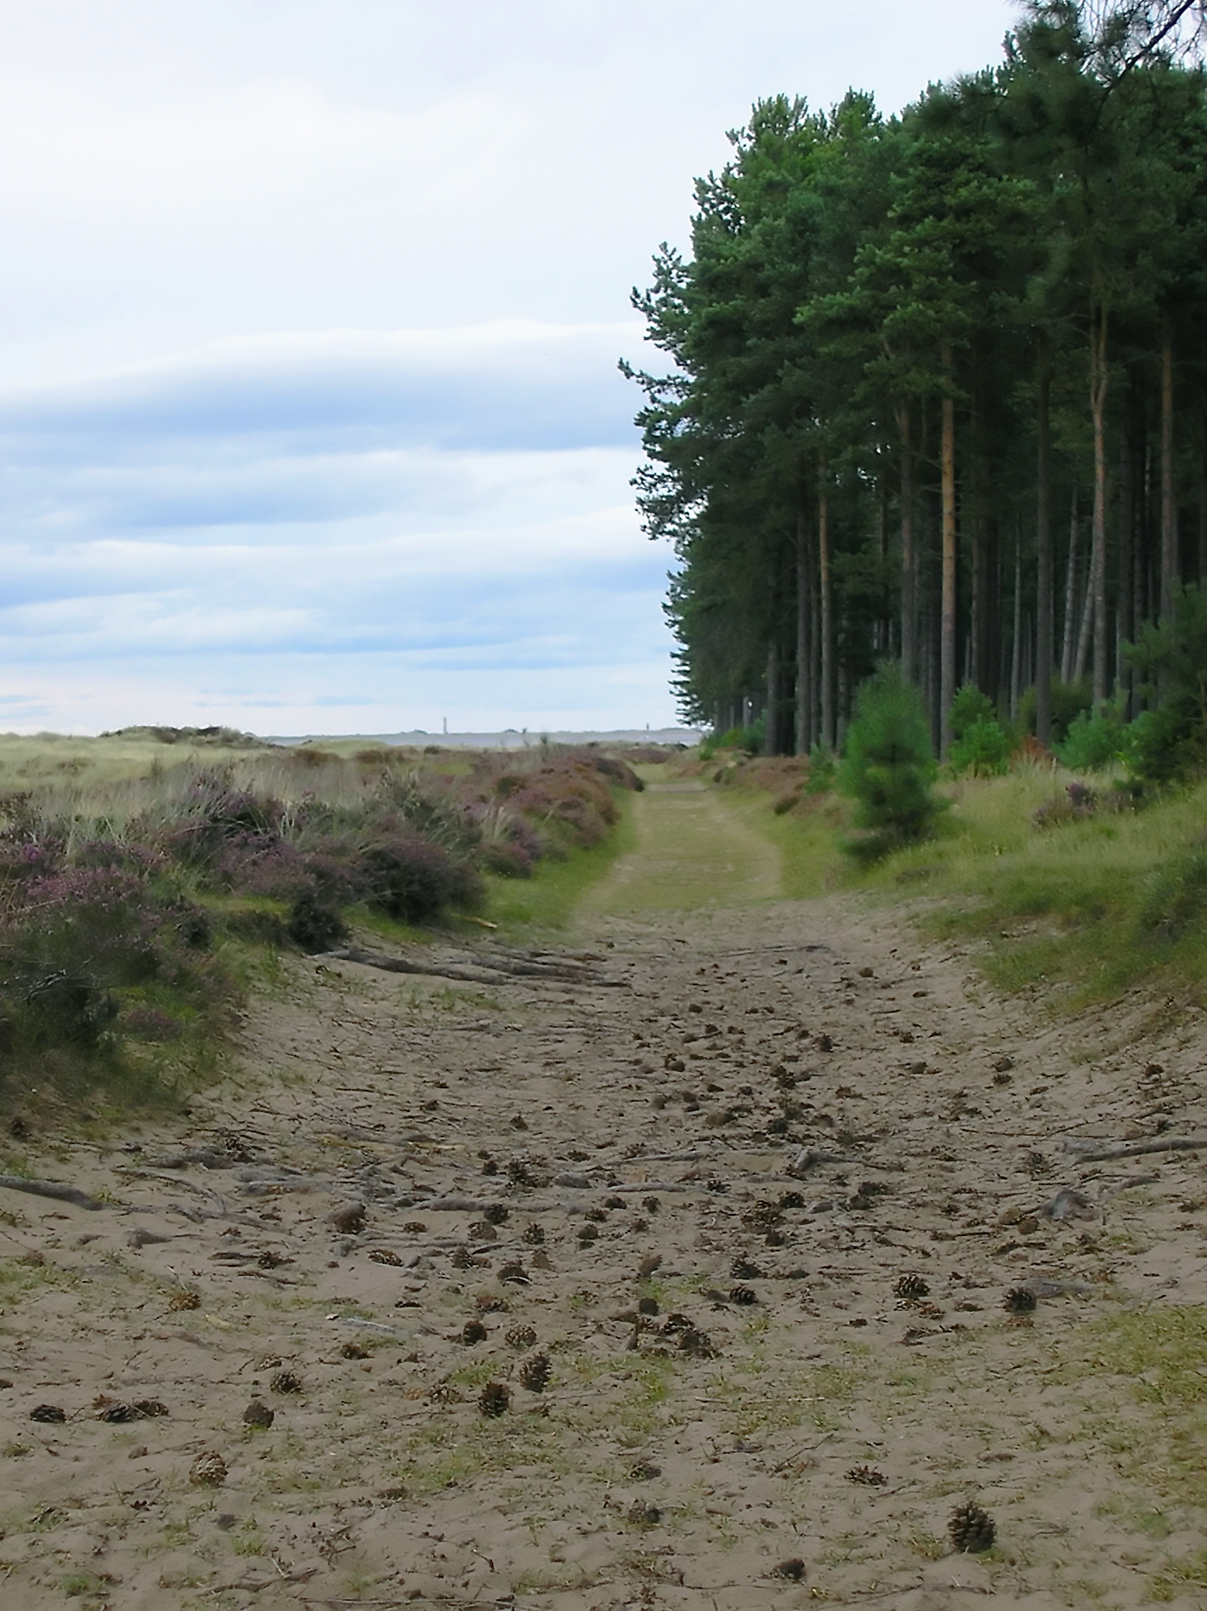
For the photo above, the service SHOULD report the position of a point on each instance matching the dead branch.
(51, 1188)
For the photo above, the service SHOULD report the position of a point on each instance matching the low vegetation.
(144, 876)
(1083, 869)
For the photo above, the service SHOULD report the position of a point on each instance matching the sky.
(310, 312)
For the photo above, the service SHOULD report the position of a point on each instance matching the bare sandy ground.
(680, 1206)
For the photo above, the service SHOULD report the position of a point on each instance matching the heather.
(136, 909)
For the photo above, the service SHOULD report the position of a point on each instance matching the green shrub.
(1069, 699)
(969, 707)
(980, 744)
(1096, 739)
(983, 749)
(749, 738)
(823, 770)
(888, 766)
(1170, 741)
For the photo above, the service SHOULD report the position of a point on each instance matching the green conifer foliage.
(888, 766)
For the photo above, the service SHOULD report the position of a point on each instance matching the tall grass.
(1096, 903)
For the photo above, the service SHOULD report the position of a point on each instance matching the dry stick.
(499, 966)
(52, 1188)
(1189, 1144)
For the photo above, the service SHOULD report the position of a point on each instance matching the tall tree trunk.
(947, 645)
(909, 556)
(1125, 608)
(1203, 500)
(1045, 646)
(1169, 507)
(826, 589)
(1016, 648)
(1085, 631)
(883, 627)
(804, 665)
(771, 715)
(1099, 382)
(1069, 647)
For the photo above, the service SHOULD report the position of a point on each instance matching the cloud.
(309, 319)
(342, 497)
(511, 386)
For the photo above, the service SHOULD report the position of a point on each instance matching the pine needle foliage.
(888, 766)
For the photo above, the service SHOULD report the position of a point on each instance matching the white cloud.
(309, 314)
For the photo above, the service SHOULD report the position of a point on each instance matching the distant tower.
(446, 727)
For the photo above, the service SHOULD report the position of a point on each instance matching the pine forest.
(936, 387)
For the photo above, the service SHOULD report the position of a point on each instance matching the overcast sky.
(309, 320)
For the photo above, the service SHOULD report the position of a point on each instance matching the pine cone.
(792, 1199)
(208, 1470)
(535, 1373)
(742, 1295)
(696, 1343)
(1019, 1301)
(496, 1213)
(521, 1337)
(971, 1529)
(494, 1398)
(867, 1476)
(744, 1270)
(793, 1570)
(909, 1287)
(258, 1413)
(473, 1332)
(285, 1382)
(534, 1235)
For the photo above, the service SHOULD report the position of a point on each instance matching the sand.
(767, 1120)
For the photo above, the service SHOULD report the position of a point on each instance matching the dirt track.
(792, 1099)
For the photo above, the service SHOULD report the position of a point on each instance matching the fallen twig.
(52, 1188)
(1137, 1149)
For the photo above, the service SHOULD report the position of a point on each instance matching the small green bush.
(1096, 739)
(1169, 742)
(1068, 699)
(888, 766)
(823, 770)
(749, 738)
(983, 750)
(980, 744)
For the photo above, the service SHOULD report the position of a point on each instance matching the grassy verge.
(807, 840)
(1088, 906)
(1094, 906)
(526, 908)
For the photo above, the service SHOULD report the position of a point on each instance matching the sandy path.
(522, 1155)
